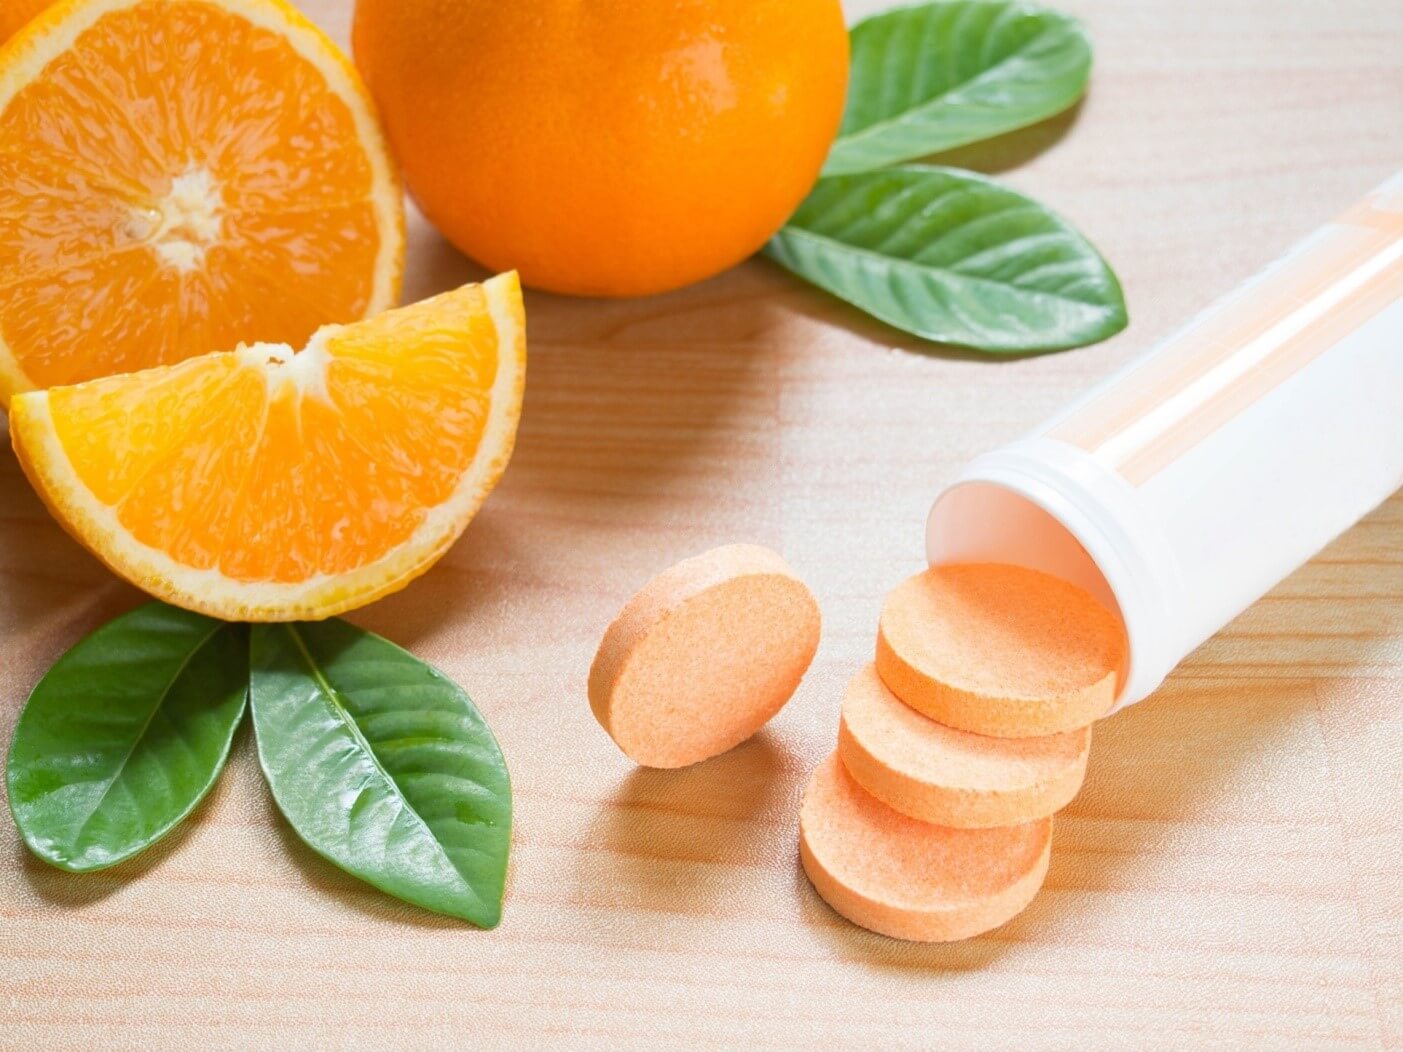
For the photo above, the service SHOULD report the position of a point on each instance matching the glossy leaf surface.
(953, 257)
(940, 75)
(125, 735)
(383, 766)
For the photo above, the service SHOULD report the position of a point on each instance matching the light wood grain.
(1229, 876)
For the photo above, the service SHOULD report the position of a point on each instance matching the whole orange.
(606, 147)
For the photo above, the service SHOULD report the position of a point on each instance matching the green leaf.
(944, 74)
(383, 766)
(125, 735)
(953, 257)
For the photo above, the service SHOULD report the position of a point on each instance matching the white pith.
(189, 215)
(282, 367)
(321, 595)
(183, 224)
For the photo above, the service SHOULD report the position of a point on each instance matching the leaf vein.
(955, 88)
(334, 697)
(136, 741)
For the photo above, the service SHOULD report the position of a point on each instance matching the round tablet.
(953, 778)
(912, 880)
(1000, 650)
(703, 656)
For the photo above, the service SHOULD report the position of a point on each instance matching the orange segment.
(263, 484)
(177, 176)
(153, 417)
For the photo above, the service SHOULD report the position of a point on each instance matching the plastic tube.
(1185, 486)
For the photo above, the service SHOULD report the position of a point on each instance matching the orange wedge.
(265, 484)
(180, 175)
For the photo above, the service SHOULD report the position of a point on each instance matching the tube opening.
(977, 521)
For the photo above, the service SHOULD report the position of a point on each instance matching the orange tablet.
(703, 656)
(1000, 650)
(953, 778)
(912, 880)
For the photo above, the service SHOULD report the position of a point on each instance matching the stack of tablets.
(932, 821)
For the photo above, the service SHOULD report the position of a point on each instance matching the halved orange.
(264, 484)
(180, 175)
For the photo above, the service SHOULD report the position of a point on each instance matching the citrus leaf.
(125, 735)
(953, 257)
(382, 766)
(944, 74)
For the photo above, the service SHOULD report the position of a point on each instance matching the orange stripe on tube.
(1218, 336)
(1388, 199)
(1370, 216)
(1370, 299)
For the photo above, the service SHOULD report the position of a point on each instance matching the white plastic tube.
(1186, 485)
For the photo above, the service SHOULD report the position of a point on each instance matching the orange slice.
(180, 175)
(266, 485)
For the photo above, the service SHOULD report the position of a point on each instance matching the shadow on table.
(1196, 752)
(1012, 149)
(813, 304)
(59, 887)
(686, 841)
(637, 415)
(1162, 764)
(1245, 705)
(848, 942)
(54, 590)
(1193, 753)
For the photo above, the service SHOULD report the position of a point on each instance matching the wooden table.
(1230, 874)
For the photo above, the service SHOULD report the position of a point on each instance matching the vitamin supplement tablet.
(703, 656)
(912, 880)
(1000, 650)
(953, 778)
